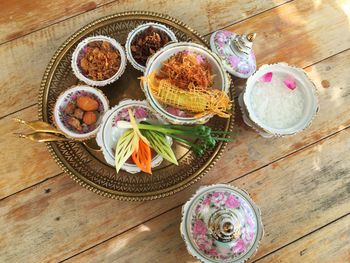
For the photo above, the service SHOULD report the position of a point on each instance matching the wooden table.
(301, 183)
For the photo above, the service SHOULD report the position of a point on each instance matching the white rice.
(276, 105)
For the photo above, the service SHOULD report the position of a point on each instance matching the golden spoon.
(39, 126)
(42, 137)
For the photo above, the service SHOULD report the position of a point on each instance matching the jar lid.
(220, 223)
(235, 51)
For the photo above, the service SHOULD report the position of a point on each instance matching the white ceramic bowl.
(303, 83)
(247, 121)
(138, 30)
(77, 72)
(70, 95)
(108, 134)
(221, 79)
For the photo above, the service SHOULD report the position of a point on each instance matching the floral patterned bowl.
(176, 116)
(76, 56)
(220, 223)
(61, 119)
(109, 134)
(138, 30)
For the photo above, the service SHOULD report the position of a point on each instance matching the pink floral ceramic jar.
(220, 223)
(235, 51)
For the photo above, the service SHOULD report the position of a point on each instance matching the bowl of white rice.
(280, 100)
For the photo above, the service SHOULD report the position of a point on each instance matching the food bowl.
(247, 121)
(221, 80)
(280, 100)
(81, 50)
(66, 108)
(109, 133)
(136, 32)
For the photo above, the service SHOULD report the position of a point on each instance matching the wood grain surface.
(23, 17)
(262, 57)
(315, 193)
(247, 153)
(34, 51)
(328, 244)
(301, 183)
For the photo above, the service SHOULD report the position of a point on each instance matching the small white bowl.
(221, 79)
(249, 122)
(108, 134)
(77, 72)
(303, 83)
(138, 30)
(70, 95)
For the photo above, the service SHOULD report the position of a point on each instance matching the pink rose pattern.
(239, 247)
(232, 202)
(201, 234)
(139, 112)
(237, 63)
(199, 228)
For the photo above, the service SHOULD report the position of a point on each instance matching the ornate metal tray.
(87, 167)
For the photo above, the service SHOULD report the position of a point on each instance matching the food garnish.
(185, 82)
(126, 145)
(140, 138)
(290, 82)
(196, 99)
(199, 138)
(187, 70)
(99, 60)
(161, 145)
(143, 157)
(147, 43)
(81, 113)
(129, 143)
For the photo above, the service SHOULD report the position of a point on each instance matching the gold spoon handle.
(38, 126)
(42, 137)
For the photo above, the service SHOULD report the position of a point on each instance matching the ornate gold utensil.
(44, 132)
(39, 126)
(42, 137)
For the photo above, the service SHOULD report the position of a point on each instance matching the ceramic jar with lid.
(220, 223)
(235, 51)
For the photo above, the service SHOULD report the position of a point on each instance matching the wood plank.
(301, 193)
(87, 219)
(27, 57)
(329, 244)
(301, 30)
(21, 17)
(22, 163)
(249, 151)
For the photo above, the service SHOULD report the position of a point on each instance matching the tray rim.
(81, 180)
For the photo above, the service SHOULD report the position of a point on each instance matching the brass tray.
(87, 167)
